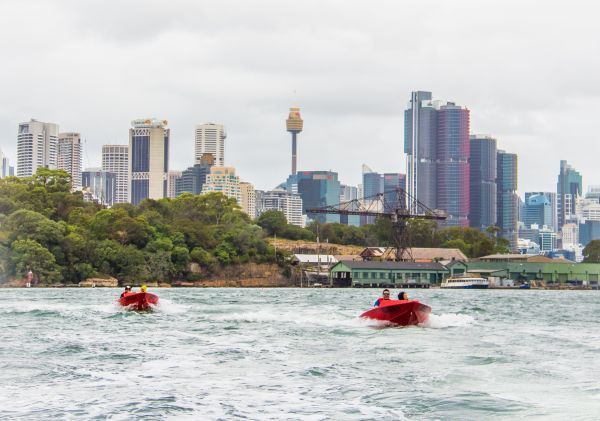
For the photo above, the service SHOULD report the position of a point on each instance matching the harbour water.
(281, 354)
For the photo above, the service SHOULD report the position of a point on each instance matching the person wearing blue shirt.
(385, 296)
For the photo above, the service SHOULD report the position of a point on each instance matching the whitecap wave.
(443, 321)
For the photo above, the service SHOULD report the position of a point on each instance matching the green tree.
(29, 255)
(591, 252)
(273, 222)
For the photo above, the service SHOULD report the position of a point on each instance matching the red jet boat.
(139, 300)
(400, 312)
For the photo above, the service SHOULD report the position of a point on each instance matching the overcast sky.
(527, 70)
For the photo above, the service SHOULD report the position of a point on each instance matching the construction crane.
(397, 205)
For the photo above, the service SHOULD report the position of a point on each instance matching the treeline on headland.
(46, 228)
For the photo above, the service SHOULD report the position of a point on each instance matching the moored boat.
(400, 312)
(465, 282)
(139, 300)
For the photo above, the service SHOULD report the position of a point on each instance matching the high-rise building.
(69, 156)
(570, 235)
(192, 179)
(281, 200)
(172, 177)
(100, 184)
(248, 199)
(482, 212)
(593, 193)
(294, 125)
(394, 186)
(223, 180)
(149, 164)
(453, 164)
(538, 211)
(210, 138)
(115, 159)
(568, 189)
(372, 183)
(5, 166)
(37, 146)
(317, 189)
(507, 199)
(420, 146)
(348, 193)
(436, 143)
(549, 197)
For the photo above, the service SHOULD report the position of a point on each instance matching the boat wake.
(444, 321)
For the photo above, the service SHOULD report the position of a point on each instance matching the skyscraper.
(393, 198)
(101, 185)
(507, 201)
(453, 164)
(317, 189)
(294, 125)
(210, 138)
(192, 179)
(568, 189)
(149, 164)
(482, 212)
(69, 156)
(37, 146)
(538, 210)
(4, 166)
(420, 146)
(115, 159)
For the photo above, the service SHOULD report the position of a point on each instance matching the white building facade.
(37, 147)
(69, 156)
(210, 138)
(172, 177)
(223, 180)
(287, 203)
(115, 159)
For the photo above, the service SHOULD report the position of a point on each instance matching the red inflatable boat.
(139, 300)
(400, 312)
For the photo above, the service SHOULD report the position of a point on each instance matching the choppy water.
(298, 354)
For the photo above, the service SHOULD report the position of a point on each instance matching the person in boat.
(403, 295)
(127, 291)
(384, 296)
(143, 288)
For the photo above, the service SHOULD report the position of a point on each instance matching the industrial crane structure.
(398, 206)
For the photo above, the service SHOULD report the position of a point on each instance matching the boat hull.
(139, 301)
(466, 287)
(399, 312)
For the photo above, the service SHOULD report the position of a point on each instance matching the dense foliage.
(48, 229)
(591, 252)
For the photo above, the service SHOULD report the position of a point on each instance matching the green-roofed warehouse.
(387, 274)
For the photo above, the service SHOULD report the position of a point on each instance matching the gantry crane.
(396, 205)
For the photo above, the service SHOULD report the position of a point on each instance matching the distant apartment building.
(568, 189)
(37, 147)
(483, 194)
(149, 159)
(281, 200)
(69, 156)
(210, 138)
(570, 235)
(192, 179)
(115, 159)
(248, 199)
(172, 177)
(100, 185)
(507, 199)
(223, 180)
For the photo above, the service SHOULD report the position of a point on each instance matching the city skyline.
(351, 84)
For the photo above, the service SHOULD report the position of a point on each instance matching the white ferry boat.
(465, 282)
